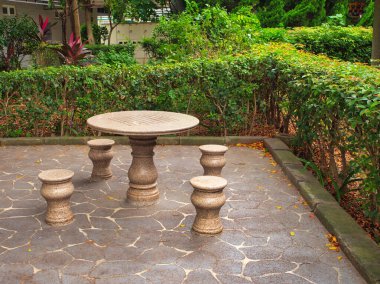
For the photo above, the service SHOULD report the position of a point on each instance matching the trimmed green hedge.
(331, 104)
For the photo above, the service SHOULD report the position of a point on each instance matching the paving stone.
(46, 276)
(71, 279)
(262, 253)
(196, 260)
(164, 273)
(122, 280)
(318, 273)
(112, 241)
(79, 267)
(117, 268)
(264, 267)
(200, 276)
(15, 273)
(86, 251)
(284, 278)
(52, 260)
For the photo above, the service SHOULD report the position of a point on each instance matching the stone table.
(142, 127)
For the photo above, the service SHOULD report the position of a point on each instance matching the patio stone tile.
(41, 277)
(264, 267)
(164, 273)
(117, 268)
(200, 276)
(52, 260)
(112, 241)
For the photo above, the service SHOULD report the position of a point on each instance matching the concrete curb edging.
(123, 140)
(363, 252)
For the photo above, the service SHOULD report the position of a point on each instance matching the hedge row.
(333, 105)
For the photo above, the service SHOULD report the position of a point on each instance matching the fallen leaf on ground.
(279, 207)
(292, 234)
(182, 225)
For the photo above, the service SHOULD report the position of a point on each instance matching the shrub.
(115, 58)
(346, 43)
(125, 48)
(211, 32)
(18, 37)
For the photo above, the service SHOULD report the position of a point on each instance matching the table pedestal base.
(142, 174)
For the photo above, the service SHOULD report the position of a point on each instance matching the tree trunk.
(375, 58)
(88, 16)
(76, 28)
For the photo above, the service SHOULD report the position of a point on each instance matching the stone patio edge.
(363, 252)
(123, 140)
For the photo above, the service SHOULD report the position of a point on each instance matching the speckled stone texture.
(101, 155)
(57, 189)
(212, 159)
(208, 198)
(111, 241)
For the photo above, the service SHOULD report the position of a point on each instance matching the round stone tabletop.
(142, 122)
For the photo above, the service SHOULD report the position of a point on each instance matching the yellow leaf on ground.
(182, 225)
(39, 161)
(292, 234)
(340, 257)
(279, 207)
(29, 249)
(110, 197)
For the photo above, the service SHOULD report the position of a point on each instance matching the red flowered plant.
(73, 51)
(44, 27)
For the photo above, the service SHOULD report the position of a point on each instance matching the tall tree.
(375, 58)
(88, 19)
(76, 19)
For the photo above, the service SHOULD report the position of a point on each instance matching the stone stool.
(101, 155)
(57, 189)
(212, 159)
(208, 198)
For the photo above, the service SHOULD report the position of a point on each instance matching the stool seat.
(211, 148)
(57, 189)
(56, 175)
(208, 183)
(100, 143)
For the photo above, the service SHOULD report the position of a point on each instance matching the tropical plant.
(73, 51)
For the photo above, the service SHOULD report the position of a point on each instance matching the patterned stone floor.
(269, 235)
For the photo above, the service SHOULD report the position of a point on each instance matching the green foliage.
(126, 48)
(208, 33)
(306, 13)
(115, 58)
(100, 33)
(272, 14)
(18, 37)
(367, 18)
(214, 32)
(346, 43)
